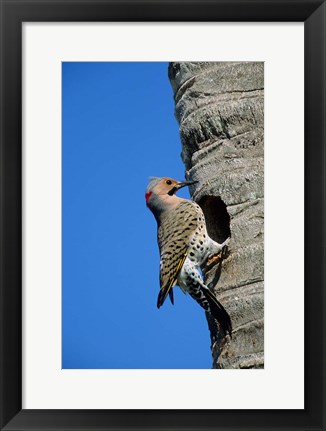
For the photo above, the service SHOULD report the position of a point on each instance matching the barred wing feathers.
(174, 236)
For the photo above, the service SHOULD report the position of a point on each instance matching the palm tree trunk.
(220, 109)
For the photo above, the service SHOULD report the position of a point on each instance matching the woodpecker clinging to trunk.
(184, 246)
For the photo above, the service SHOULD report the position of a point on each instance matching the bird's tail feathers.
(218, 311)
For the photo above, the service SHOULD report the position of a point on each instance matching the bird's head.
(160, 193)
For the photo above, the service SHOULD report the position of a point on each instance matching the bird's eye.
(168, 182)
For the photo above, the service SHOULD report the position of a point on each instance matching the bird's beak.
(185, 183)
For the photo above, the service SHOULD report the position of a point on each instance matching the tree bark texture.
(220, 110)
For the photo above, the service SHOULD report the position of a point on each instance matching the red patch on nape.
(148, 195)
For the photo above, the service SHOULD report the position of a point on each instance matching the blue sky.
(118, 129)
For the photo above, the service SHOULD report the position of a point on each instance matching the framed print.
(85, 117)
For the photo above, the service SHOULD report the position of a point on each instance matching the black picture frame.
(13, 14)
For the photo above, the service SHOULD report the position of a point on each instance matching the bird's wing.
(174, 236)
(168, 278)
(171, 296)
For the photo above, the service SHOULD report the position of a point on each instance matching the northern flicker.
(184, 245)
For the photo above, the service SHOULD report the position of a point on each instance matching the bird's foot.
(214, 259)
(218, 257)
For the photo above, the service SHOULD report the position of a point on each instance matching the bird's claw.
(218, 257)
(214, 259)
